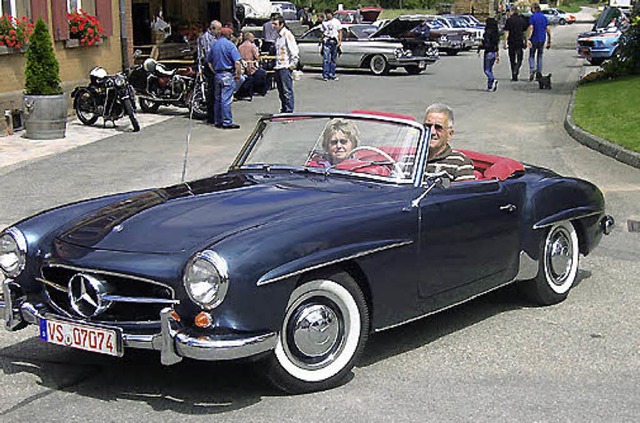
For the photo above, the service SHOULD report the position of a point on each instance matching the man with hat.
(227, 66)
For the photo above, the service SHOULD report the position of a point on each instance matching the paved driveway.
(493, 359)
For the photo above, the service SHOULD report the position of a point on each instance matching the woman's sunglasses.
(333, 143)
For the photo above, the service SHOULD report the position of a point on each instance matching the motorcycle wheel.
(85, 107)
(199, 105)
(148, 106)
(128, 107)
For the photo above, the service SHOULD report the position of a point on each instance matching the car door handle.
(509, 207)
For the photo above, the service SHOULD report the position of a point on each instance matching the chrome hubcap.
(559, 256)
(316, 330)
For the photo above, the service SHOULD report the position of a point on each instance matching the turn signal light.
(203, 320)
(175, 316)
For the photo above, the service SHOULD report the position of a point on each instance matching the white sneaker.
(495, 85)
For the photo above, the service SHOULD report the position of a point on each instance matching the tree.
(42, 70)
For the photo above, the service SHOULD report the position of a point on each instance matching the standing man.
(287, 54)
(537, 33)
(205, 43)
(331, 41)
(514, 32)
(227, 66)
(269, 35)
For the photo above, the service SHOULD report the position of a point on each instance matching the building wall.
(75, 63)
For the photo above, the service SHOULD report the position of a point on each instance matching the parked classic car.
(565, 18)
(287, 9)
(457, 21)
(293, 258)
(348, 16)
(601, 42)
(365, 46)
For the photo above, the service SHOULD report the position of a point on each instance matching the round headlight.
(206, 279)
(13, 252)
(120, 80)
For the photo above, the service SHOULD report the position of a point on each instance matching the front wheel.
(198, 104)
(325, 328)
(128, 108)
(562, 21)
(85, 107)
(452, 52)
(557, 266)
(378, 65)
(596, 61)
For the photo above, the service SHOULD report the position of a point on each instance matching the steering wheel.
(376, 150)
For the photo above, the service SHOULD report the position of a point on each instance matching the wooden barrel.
(45, 116)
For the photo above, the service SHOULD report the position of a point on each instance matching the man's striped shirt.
(459, 166)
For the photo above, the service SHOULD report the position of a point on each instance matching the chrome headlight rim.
(120, 80)
(21, 243)
(219, 265)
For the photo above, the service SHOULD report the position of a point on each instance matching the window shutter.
(103, 13)
(60, 20)
(39, 10)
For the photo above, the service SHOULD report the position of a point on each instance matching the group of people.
(519, 33)
(231, 67)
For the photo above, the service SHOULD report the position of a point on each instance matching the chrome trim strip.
(413, 319)
(538, 226)
(328, 263)
(108, 273)
(139, 300)
(210, 348)
(53, 285)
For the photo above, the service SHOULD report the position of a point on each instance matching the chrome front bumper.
(173, 342)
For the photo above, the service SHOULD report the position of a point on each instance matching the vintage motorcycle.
(156, 86)
(107, 96)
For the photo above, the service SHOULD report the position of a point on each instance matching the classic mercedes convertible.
(325, 228)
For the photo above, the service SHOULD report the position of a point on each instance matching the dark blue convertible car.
(325, 229)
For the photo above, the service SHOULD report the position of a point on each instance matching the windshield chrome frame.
(421, 152)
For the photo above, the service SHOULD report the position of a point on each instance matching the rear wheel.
(413, 69)
(85, 107)
(596, 61)
(378, 65)
(148, 106)
(557, 266)
(452, 52)
(562, 21)
(325, 328)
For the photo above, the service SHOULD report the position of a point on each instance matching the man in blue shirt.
(537, 33)
(227, 66)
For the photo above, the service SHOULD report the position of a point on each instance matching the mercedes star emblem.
(86, 295)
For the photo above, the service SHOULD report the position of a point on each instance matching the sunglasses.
(437, 126)
(333, 143)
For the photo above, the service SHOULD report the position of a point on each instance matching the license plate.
(84, 337)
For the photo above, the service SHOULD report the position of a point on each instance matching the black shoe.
(232, 126)
(217, 125)
(531, 76)
(514, 78)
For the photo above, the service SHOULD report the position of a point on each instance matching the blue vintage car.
(324, 229)
(601, 42)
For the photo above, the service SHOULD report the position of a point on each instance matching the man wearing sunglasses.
(439, 118)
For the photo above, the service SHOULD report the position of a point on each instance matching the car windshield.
(358, 146)
(363, 31)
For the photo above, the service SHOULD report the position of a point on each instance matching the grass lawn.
(611, 110)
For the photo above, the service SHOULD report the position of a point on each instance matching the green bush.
(42, 70)
(626, 61)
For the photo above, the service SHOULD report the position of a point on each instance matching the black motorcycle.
(107, 96)
(156, 86)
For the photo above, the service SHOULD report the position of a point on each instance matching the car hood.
(399, 26)
(189, 216)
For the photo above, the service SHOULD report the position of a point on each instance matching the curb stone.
(597, 143)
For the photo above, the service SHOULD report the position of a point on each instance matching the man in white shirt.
(331, 41)
(287, 55)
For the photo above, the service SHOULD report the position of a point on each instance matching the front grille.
(586, 43)
(137, 300)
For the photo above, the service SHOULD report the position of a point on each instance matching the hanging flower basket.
(85, 27)
(14, 32)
